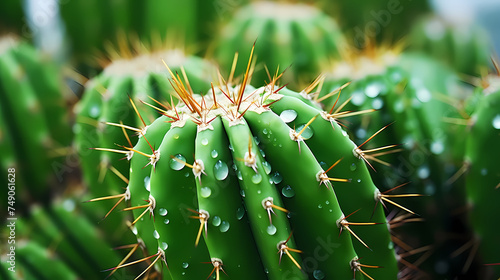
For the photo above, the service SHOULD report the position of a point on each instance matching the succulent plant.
(463, 46)
(298, 36)
(34, 122)
(483, 177)
(260, 184)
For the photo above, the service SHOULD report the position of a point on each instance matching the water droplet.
(423, 172)
(164, 245)
(437, 147)
(224, 226)
(358, 98)
(320, 206)
(262, 153)
(271, 230)
(308, 132)
(361, 133)
(156, 234)
(214, 154)
(187, 174)
(287, 192)
(205, 192)
(204, 141)
(256, 178)
(166, 221)
(264, 131)
(176, 165)
(147, 184)
(176, 136)
(240, 213)
(239, 175)
(134, 230)
(216, 221)
(327, 202)
(185, 265)
(288, 116)
(484, 171)
(257, 140)
(344, 133)
(94, 111)
(377, 104)
(359, 180)
(496, 122)
(423, 95)
(267, 167)
(242, 193)
(373, 90)
(231, 147)
(352, 167)
(259, 191)
(390, 245)
(277, 178)
(163, 212)
(318, 274)
(221, 170)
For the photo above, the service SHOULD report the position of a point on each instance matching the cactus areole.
(236, 184)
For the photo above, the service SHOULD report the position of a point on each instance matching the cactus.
(419, 96)
(105, 101)
(34, 121)
(483, 177)
(260, 175)
(464, 47)
(297, 36)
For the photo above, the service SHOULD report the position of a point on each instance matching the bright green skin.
(483, 178)
(409, 94)
(300, 44)
(34, 120)
(35, 262)
(465, 48)
(233, 198)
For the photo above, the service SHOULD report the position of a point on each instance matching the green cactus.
(464, 47)
(34, 121)
(483, 177)
(105, 101)
(298, 36)
(258, 187)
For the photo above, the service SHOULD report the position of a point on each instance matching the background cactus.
(34, 122)
(299, 37)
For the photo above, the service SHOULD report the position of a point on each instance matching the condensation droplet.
(308, 132)
(423, 172)
(287, 192)
(264, 131)
(257, 140)
(166, 221)
(423, 95)
(353, 167)
(359, 180)
(271, 230)
(262, 153)
(94, 111)
(377, 104)
(214, 153)
(390, 245)
(156, 234)
(176, 136)
(163, 212)
(288, 116)
(318, 274)
(437, 147)
(239, 175)
(185, 265)
(496, 122)
(277, 178)
(204, 141)
(267, 167)
(240, 213)
(327, 202)
(221, 170)
(147, 184)
(176, 165)
(216, 221)
(256, 178)
(320, 206)
(205, 192)
(242, 193)
(187, 174)
(224, 227)
(164, 245)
